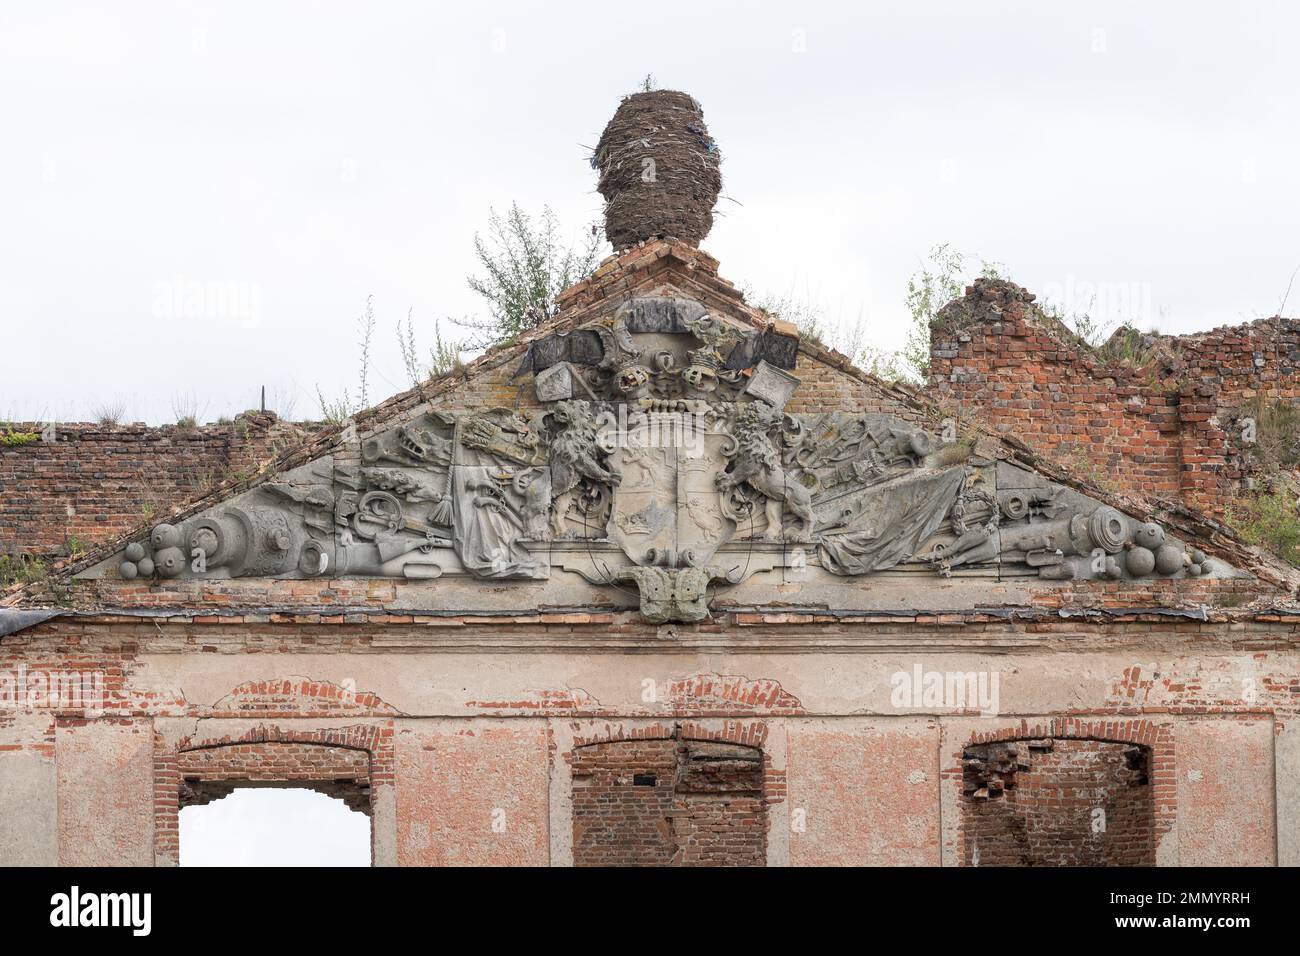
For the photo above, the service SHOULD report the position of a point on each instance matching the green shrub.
(11, 438)
(1269, 519)
(20, 569)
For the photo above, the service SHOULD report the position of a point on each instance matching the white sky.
(262, 826)
(287, 159)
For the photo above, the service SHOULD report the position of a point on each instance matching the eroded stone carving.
(662, 458)
(756, 478)
(495, 509)
(890, 522)
(603, 360)
(579, 477)
(672, 594)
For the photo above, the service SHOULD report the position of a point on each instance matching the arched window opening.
(668, 802)
(1057, 802)
(274, 803)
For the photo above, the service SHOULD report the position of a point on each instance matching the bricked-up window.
(668, 803)
(274, 803)
(1057, 802)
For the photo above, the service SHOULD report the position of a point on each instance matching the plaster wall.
(471, 749)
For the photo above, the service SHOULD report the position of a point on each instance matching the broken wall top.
(664, 451)
(1150, 415)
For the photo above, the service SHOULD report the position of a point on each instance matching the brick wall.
(1057, 802)
(183, 702)
(211, 773)
(349, 762)
(93, 483)
(1164, 424)
(668, 803)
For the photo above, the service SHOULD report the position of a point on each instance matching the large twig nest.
(658, 170)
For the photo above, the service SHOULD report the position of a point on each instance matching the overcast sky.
(263, 826)
(285, 160)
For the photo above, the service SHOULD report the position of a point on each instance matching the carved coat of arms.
(668, 508)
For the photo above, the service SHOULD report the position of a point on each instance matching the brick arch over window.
(299, 697)
(679, 796)
(348, 763)
(1067, 792)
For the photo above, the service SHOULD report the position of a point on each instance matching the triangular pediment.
(656, 453)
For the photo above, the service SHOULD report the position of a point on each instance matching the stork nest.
(659, 170)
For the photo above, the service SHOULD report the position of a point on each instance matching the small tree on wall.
(942, 277)
(525, 266)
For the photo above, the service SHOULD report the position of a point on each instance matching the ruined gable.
(661, 446)
(660, 583)
(653, 454)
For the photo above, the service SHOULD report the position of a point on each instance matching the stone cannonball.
(1149, 535)
(165, 536)
(1140, 562)
(170, 562)
(1169, 559)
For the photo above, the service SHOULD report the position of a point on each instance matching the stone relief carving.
(631, 356)
(580, 479)
(494, 510)
(672, 594)
(662, 460)
(756, 477)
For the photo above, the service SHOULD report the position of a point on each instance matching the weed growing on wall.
(1269, 519)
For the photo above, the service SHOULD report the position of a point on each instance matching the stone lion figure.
(755, 463)
(573, 455)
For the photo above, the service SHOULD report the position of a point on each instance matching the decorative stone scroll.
(677, 472)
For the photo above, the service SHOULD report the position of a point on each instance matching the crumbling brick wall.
(1161, 421)
(348, 762)
(89, 483)
(668, 802)
(1057, 802)
(211, 773)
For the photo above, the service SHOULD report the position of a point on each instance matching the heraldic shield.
(667, 508)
